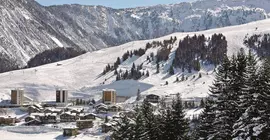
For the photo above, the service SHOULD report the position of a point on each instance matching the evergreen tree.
(138, 95)
(180, 124)
(205, 128)
(123, 129)
(147, 73)
(171, 71)
(158, 67)
(151, 126)
(139, 128)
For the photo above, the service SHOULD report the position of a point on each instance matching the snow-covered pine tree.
(263, 130)
(138, 129)
(180, 123)
(123, 129)
(205, 128)
(222, 124)
(150, 121)
(243, 128)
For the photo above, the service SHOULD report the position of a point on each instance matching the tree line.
(259, 43)
(54, 55)
(162, 54)
(194, 49)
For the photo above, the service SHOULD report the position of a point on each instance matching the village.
(73, 116)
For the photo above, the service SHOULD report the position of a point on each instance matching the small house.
(152, 98)
(48, 118)
(84, 124)
(7, 121)
(33, 122)
(53, 110)
(68, 117)
(70, 131)
(33, 109)
(115, 108)
(87, 116)
(102, 109)
(106, 127)
(77, 110)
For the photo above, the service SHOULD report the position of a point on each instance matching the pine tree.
(171, 71)
(219, 92)
(123, 129)
(149, 121)
(205, 128)
(139, 128)
(180, 124)
(147, 73)
(138, 95)
(157, 67)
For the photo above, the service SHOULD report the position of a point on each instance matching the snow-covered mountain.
(28, 28)
(82, 75)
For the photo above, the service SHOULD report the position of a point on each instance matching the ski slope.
(81, 75)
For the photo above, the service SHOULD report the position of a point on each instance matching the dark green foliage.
(171, 70)
(193, 49)
(7, 63)
(53, 55)
(260, 43)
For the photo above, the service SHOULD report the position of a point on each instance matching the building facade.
(17, 96)
(61, 96)
(109, 96)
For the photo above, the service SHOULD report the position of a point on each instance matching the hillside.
(29, 28)
(83, 75)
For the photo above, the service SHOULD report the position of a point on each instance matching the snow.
(57, 41)
(82, 75)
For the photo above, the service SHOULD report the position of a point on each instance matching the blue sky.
(111, 3)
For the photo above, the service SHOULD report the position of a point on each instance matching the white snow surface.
(82, 75)
(57, 41)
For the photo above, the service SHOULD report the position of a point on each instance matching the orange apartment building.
(17, 96)
(109, 96)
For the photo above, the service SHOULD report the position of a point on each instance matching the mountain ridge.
(29, 28)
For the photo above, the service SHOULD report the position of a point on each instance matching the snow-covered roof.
(109, 90)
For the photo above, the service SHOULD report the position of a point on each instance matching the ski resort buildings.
(17, 96)
(109, 96)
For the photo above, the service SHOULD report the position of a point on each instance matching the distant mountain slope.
(83, 75)
(28, 28)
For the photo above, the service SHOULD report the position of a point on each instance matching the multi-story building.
(61, 96)
(109, 96)
(17, 96)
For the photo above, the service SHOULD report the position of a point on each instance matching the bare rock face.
(27, 28)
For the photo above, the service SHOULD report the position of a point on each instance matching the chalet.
(7, 121)
(152, 98)
(87, 116)
(77, 111)
(33, 109)
(37, 115)
(115, 108)
(106, 127)
(102, 109)
(83, 124)
(70, 131)
(68, 117)
(53, 110)
(33, 122)
(48, 118)
(38, 106)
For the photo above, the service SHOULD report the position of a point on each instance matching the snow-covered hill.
(28, 28)
(81, 75)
